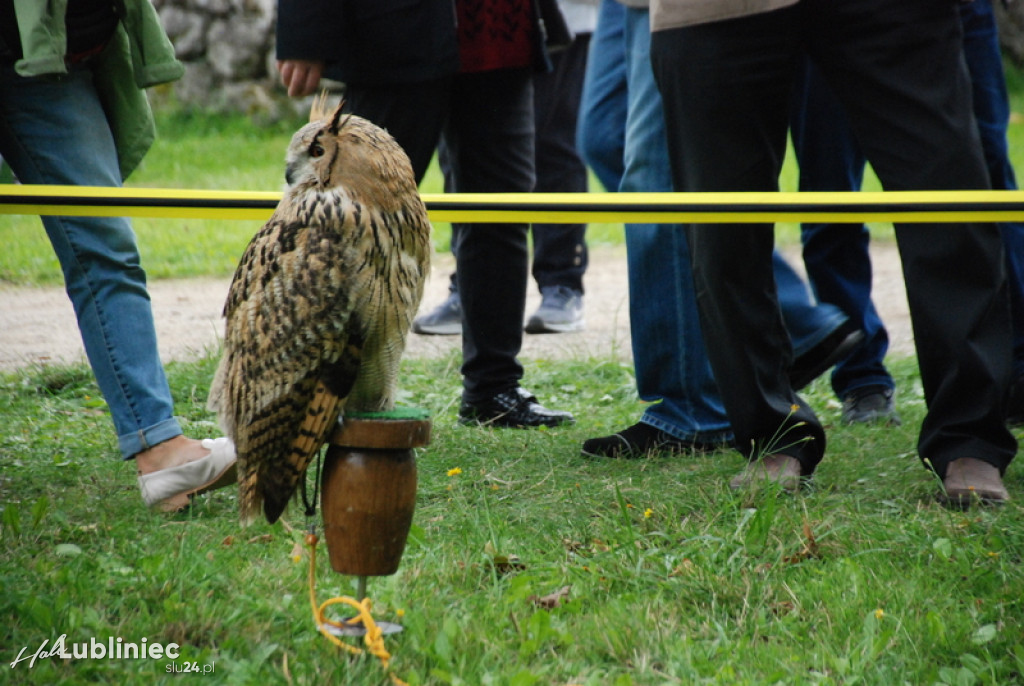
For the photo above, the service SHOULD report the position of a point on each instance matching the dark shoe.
(560, 311)
(779, 469)
(1015, 412)
(819, 359)
(868, 405)
(515, 408)
(443, 320)
(969, 481)
(640, 440)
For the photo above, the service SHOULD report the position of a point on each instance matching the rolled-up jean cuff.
(134, 443)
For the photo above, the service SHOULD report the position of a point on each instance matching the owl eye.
(316, 150)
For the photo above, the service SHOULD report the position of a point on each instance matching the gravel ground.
(37, 325)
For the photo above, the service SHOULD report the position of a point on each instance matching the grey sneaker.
(869, 405)
(560, 311)
(443, 320)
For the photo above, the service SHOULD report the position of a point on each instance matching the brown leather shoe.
(969, 480)
(781, 469)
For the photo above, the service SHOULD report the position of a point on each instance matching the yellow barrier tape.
(553, 208)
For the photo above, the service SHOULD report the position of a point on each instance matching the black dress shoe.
(870, 404)
(515, 408)
(822, 357)
(641, 440)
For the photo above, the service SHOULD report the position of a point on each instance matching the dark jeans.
(836, 255)
(486, 122)
(896, 67)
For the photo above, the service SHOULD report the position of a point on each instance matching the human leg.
(819, 333)
(671, 364)
(735, 141)
(836, 255)
(489, 137)
(600, 134)
(672, 369)
(808, 322)
(559, 250)
(992, 112)
(906, 106)
(56, 133)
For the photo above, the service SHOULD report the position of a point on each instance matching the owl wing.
(292, 351)
(388, 296)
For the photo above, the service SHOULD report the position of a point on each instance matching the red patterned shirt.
(494, 34)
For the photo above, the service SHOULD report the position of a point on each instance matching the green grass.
(673, 579)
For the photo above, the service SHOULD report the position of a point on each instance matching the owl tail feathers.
(216, 399)
(321, 417)
(249, 499)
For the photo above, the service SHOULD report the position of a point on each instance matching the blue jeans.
(55, 132)
(836, 255)
(601, 130)
(672, 368)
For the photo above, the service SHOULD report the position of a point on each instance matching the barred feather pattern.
(320, 305)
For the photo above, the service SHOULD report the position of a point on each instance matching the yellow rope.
(374, 637)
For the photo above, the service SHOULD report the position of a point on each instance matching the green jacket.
(139, 55)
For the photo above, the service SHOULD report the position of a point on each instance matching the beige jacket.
(672, 14)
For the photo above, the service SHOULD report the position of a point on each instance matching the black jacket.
(390, 41)
(371, 41)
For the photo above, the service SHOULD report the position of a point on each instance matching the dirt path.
(37, 325)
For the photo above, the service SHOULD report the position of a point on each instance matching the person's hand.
(300, 77)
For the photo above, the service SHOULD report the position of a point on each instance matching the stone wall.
(228, 50)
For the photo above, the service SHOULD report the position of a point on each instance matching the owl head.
(336, 150)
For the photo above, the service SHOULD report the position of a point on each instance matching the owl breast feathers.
(320, 305)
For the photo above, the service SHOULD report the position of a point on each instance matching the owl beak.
(289, 174)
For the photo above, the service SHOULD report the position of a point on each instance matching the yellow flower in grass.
(879, 613)
(648, 512)
(455, 471)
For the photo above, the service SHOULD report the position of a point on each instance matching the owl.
(319, 307)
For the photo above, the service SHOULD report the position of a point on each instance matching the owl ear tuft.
(318, 110)
(336, 121)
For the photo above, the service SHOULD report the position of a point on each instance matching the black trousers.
(486, 123)
(896, 65)
(559, 250)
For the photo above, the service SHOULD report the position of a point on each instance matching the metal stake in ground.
(368, 493)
